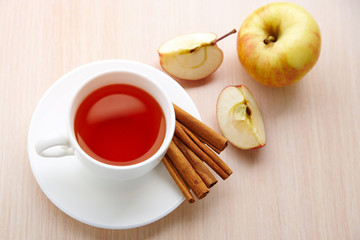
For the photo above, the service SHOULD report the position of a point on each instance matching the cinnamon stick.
(197, 163)
(178, 180)
(208, 151)
(208, 144)
(179, 132)
(201, 129)
(187, 172)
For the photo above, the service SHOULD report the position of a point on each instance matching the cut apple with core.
(239, 118)
(191, 56)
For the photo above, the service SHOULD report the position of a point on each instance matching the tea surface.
(120, 124)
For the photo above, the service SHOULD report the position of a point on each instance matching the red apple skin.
(260, 146)
(237, 86)
(274, 69)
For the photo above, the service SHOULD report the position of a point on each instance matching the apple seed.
(248, 111)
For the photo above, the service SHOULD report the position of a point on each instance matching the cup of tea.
(119, 123)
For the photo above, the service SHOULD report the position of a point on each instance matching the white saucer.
(84, 195)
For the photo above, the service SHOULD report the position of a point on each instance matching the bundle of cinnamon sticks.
(194, 145)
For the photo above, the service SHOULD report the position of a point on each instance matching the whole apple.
(278, 44)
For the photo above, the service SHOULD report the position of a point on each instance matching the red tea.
(120, 124)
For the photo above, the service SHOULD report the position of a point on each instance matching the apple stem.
(269, 39)
(220, 38)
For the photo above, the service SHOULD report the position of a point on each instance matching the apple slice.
(239, 118)
(191, 56)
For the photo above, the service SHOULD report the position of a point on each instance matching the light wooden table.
(304, 184)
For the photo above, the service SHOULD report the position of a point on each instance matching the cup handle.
(54, 147)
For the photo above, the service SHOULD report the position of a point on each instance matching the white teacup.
(59, 146)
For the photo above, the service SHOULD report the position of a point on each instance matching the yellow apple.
(191, 56)
(279, 43)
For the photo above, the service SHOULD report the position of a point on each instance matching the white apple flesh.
(239, 118)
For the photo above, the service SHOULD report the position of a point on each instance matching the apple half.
(191, 56)
(239, 118)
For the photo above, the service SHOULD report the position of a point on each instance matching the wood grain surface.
(304, 184)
